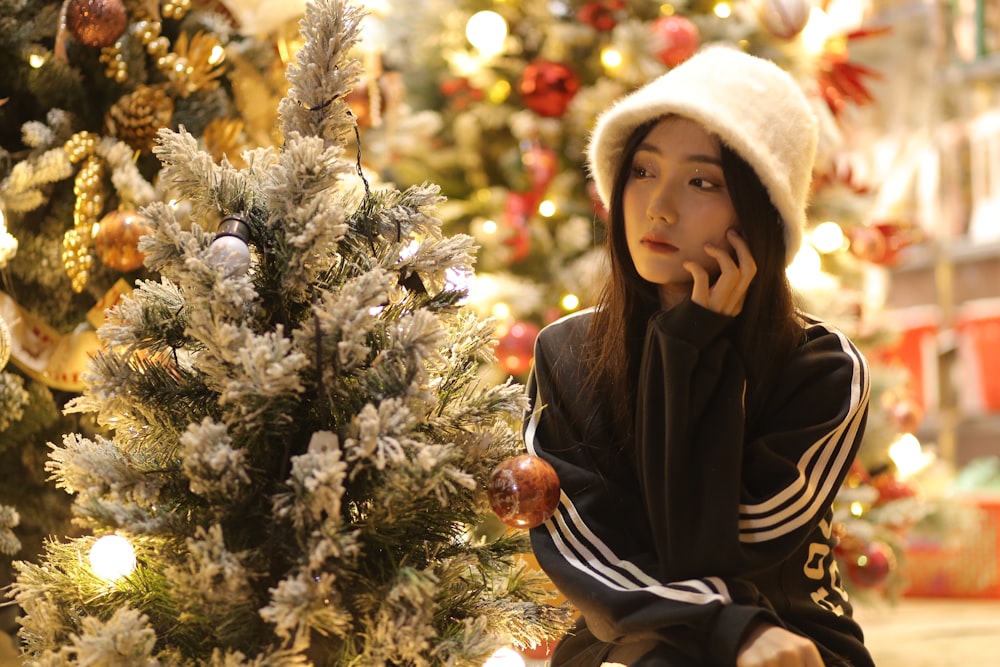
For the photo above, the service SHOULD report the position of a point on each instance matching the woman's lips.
(658, 245)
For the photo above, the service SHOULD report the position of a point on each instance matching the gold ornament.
(194, 64)
(5, 343)
(136, 117)
(223, 137)
(89, 190)
(116, 240)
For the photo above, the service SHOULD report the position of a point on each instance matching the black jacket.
(707, 529)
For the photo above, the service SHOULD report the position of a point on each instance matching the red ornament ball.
(548, 87)
(601, 15)
(524, 491)
(542, 651)
(516, 347)
(678, 39)
(871, 566)
(96, 23)
(117, 239)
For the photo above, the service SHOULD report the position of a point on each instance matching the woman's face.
(675, 201)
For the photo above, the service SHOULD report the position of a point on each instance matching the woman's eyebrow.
(694, 157)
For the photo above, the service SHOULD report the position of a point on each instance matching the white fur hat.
(752, 105)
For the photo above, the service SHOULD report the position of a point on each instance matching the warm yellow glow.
(499, 91)
(501, 310)
(217, 56)
(611, 58)
(505, 657)
(486, 31)
(570, 302)
(816, 32)
(909, 456)
(827, 237)
(36, 60)
(723, 10)
(547, 208)
(490, 227)
(112, 557)
(666, 9)
(857, 509)
(805, 268)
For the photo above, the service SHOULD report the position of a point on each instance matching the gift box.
(963, 561)
(977, 329)
(915, 348)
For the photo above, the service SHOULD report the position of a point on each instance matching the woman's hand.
(772, 646)
(726, 296)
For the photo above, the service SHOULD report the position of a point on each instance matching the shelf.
(984, 68)
(960, 251)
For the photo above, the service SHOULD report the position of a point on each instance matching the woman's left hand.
(728, 293)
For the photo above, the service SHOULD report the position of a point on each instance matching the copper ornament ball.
(524, 491)
(116, 241)
(96, 23)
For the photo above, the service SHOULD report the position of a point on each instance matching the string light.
(112, 557)
(489, 227)
(723, 10)
(487, 31)
(611, 58)
(505, 657)
(909, 456)
(570, 302)
(547, 208)
(501, 310)
(827, 237)
(816, 32)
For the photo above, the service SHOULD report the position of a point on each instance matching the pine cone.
(135, 118)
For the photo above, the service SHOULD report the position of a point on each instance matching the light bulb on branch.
(112, 557)
(230, 250)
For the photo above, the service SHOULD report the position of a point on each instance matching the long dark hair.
(765, 332)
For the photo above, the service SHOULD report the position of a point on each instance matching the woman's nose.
(661, 206)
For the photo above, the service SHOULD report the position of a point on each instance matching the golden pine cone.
(135, 118)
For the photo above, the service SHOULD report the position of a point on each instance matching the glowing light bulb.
(486, 31)
(112, 557)
(817, 31)
(611, 58)
(827, 237)
(501, 310)
(490, 227)
(505, 657)
(857, 509)
(723, 10)
(909, 456)
(570, 302)
(547, 209)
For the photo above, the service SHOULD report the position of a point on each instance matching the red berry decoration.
(524, 491)
(548, 87)
(679, 39)
(96, 23)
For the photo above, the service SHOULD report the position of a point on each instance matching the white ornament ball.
(230, 253)
(784, 18)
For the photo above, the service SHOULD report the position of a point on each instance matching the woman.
(699, 424)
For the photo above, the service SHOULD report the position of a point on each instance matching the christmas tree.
(86, 85)
(299, 437)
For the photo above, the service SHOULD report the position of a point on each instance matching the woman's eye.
(639, 172)
(703, 183)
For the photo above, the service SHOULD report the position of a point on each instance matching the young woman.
(699, 424)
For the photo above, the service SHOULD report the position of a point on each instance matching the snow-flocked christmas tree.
(298, 435)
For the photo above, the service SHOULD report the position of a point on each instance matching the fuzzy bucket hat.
(752, 105)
